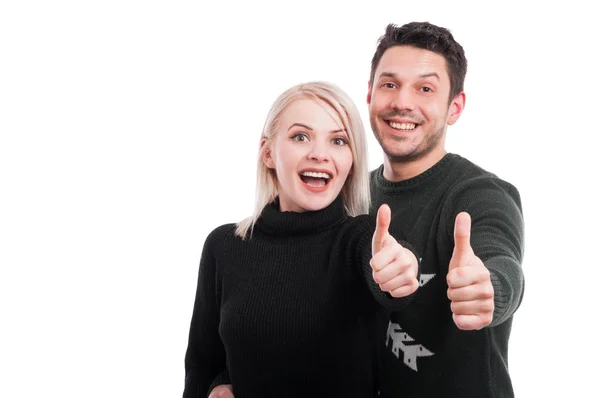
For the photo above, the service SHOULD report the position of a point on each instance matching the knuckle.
(488, 290)
(412, 274)
(398, 250)
(399, 268)
(414, 282)
(375, 264)
(488, 306)
(400, 292)
(460, 322)
(485, 320)
(454, 307)
(377, 277)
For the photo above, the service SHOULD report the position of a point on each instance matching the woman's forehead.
(314, 113)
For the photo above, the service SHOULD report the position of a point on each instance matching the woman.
(288, 299)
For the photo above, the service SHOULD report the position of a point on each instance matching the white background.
(129, 131)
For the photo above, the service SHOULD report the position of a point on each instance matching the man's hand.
(395, 268)
(469, 285)
(222, 391)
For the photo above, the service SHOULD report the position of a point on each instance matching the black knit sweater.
(290, 312)
(425, 354)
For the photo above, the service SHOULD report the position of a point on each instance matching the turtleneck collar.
(391, 186)
(272, 221)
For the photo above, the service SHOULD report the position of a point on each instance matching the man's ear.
(456, 107)
(266, 155)
(369, 94)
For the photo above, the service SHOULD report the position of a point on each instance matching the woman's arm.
(390, 268)
(205, 355)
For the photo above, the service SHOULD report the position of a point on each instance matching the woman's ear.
(266, 155)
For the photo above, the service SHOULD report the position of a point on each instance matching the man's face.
(408, 103)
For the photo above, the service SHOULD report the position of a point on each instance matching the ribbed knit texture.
(292, 311)
(462, 363)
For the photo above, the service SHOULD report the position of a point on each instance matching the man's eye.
(427, 89)
(389, 85)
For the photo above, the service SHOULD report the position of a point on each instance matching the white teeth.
(315, 174)
(402, 126)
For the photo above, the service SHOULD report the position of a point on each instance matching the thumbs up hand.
(470, 288)
(395, 268)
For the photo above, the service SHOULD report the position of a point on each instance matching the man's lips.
(402, 126)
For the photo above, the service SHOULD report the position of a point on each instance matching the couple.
(311, 297)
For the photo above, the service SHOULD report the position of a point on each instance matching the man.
(466, 224)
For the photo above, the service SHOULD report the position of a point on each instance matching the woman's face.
(310, 154)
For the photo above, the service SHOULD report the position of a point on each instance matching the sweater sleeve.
(497, 238)
(362, 239)
(221, 379)
(205, 355)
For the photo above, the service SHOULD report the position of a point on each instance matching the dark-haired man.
(465, 223)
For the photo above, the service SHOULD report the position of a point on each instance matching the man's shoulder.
(373, 173)
(477, 190)
(467, 167)
(473, 176)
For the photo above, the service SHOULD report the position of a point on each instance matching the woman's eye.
(300, 137)
(339, 141)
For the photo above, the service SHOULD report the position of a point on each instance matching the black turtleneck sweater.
(290, 312)
(424, 353)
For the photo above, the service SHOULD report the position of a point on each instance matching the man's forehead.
(411, 60)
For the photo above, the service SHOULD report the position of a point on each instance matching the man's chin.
(401, 158)
(399, 154)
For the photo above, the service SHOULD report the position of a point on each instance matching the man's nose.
(404, 100)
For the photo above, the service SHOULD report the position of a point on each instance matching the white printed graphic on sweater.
(398, 338)
(411, 351)
(425, 278)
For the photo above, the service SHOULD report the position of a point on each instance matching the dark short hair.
(429, 37)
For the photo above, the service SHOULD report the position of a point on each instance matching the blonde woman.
(288, 300)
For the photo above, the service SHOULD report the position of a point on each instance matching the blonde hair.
(355, 191)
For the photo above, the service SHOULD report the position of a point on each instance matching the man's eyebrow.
(422, 76)
(310, 128)
(431, 74)
(388, 74)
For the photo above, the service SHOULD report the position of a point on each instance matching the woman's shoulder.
(223, 230)
(220, 235)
